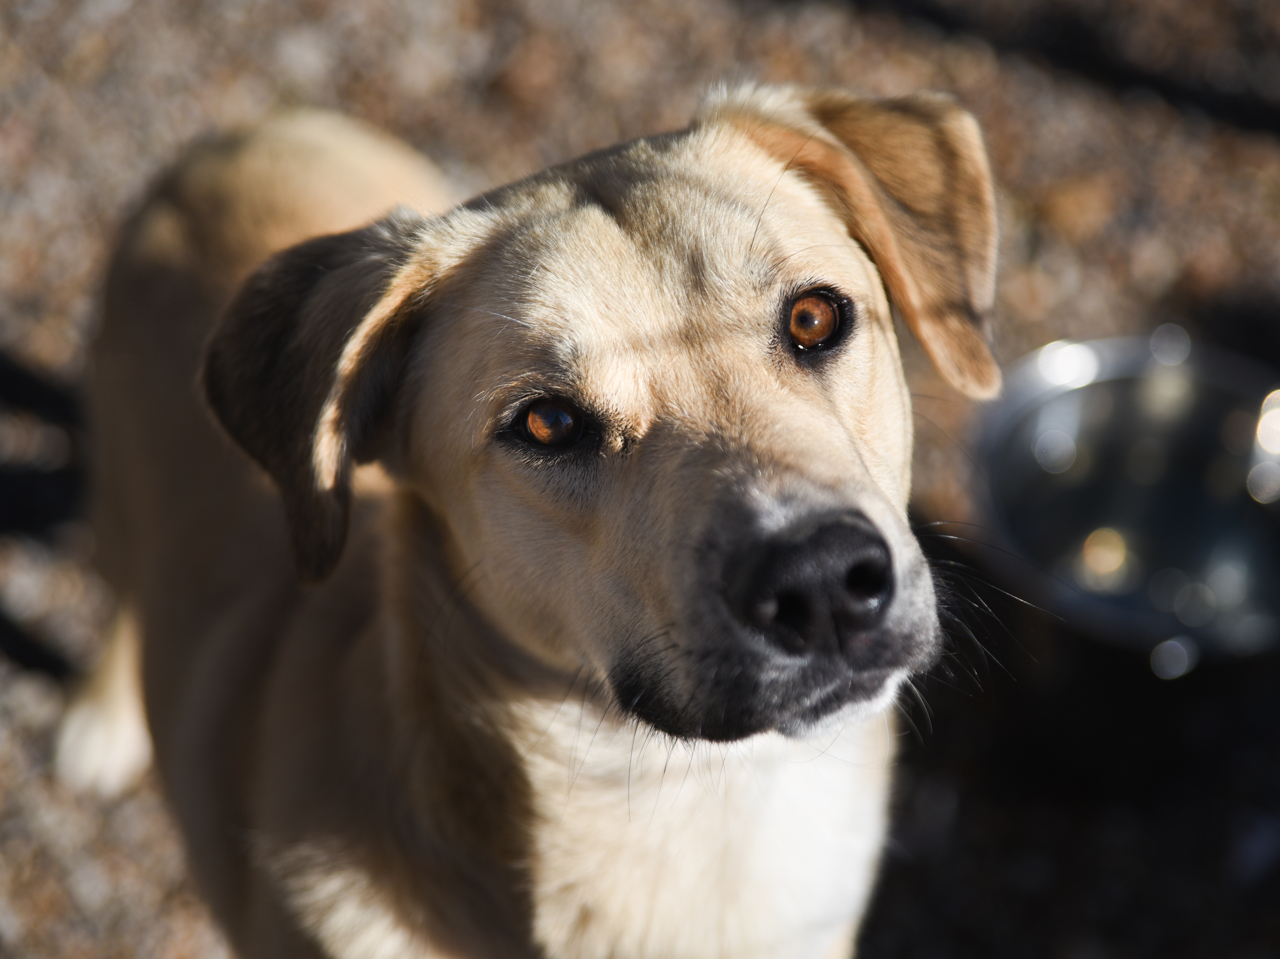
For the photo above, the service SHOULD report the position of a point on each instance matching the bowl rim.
(1027, 388)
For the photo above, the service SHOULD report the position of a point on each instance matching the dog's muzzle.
(785, 629)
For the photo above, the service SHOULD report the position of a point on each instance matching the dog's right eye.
(550, 423)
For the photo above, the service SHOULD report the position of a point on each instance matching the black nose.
(815, 587)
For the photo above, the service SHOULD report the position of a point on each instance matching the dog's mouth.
(733, 696)
(799, 627)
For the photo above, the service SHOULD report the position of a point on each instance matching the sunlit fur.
(518, 717)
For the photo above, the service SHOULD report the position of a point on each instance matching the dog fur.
(530, 700)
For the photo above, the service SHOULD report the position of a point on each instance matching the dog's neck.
(645, 846)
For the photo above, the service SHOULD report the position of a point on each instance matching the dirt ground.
(1068, 806)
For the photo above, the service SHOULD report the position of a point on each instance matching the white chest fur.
(648, 848)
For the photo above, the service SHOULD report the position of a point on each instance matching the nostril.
(868, 579)
(793, 611)
(868, 586)
(786, 609)
(764, 611)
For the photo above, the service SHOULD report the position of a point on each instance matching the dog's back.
(190, 534)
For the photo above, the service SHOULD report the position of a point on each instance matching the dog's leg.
(104, 745)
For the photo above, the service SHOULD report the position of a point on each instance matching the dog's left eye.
(815, 321)
(552, 423)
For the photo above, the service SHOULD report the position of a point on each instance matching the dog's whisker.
(957, 446)
(591, 742)
(795, 254)
(769, 199)
(924, 705)
(954, 622)
(546, 730)
(905, 714)
(475, 309)
(975, 598)
(571, 775)
(972, 574)
(635, 727)
(955, 625)
(671, 748)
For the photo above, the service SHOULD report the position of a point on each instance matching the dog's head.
(653, 397)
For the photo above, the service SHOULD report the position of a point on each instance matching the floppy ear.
(304, 365)
(910, 179)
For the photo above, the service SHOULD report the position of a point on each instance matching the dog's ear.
(911, 181)
(304, 365)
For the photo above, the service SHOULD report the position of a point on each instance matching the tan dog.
(602, 668)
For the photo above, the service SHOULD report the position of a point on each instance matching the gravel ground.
(1066, 805)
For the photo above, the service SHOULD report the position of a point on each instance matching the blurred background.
(1058, 797)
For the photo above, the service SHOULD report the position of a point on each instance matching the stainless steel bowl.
(1133, 487)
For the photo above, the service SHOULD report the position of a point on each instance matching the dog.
(558, 605)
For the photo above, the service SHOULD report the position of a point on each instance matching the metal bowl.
(1133, 486)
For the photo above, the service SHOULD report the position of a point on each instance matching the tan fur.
(430, 752)
(912, 180)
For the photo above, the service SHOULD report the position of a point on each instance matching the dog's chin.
(746, 705)
(824, 724)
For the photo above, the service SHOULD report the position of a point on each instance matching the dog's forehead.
(672, 246)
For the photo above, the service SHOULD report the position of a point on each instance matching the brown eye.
(552, 423)
(814, 321)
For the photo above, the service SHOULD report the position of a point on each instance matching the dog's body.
(602, 667)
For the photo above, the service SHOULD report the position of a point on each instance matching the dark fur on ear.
(311, 352)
